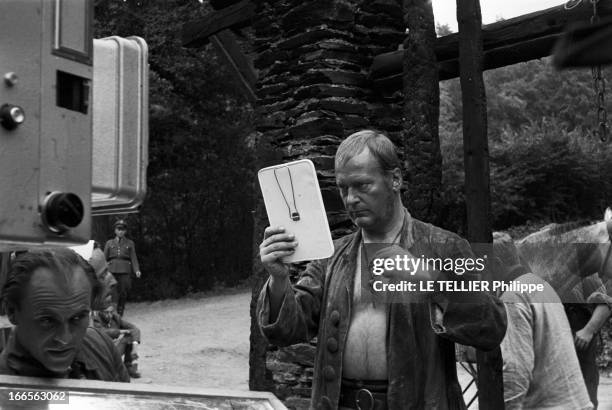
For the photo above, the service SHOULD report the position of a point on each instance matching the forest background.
(194, 231)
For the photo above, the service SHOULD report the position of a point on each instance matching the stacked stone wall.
(313, 59)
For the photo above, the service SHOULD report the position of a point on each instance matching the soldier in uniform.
(120, 252)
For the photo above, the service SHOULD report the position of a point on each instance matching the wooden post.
(421, 111)
(506, 42)
(475, 143)
(476, 162)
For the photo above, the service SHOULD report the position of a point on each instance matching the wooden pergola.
(519, 39)
(465, 55)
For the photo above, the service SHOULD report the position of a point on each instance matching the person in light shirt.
(541, 369)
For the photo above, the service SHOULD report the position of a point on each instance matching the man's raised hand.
(276, 244)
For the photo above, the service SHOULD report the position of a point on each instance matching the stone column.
(313, 59)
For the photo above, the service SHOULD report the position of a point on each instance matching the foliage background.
(545, 165)
(194, 230)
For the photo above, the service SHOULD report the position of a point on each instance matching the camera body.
(46, 64)
(120, 124)
(73, 123)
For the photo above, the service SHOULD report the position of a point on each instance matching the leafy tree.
(545, 166)
(194, 229)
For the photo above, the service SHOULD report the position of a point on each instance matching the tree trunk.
(421, 111)
(101, 229)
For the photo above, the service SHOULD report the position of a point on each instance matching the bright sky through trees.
(492, 10)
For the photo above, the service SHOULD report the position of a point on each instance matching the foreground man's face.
(366, 190)
(53, 317)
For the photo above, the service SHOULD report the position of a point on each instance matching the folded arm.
(470, 318)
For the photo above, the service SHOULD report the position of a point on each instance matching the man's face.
(53, 317)
(366, 191)
(120, 231)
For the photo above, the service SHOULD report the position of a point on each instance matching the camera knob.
(62, 211)
(11, 116)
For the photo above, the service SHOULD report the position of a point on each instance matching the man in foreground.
(372, 354)
(47, 297)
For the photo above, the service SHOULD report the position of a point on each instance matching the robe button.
(332, 344)
(329, 373)
(334, 317)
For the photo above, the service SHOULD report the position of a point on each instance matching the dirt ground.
(201, 342)
(204, 342)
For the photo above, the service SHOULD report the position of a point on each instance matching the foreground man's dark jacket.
(97, 359)
(420, 338)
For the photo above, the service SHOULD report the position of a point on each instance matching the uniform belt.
(119, 257)
(364, 394)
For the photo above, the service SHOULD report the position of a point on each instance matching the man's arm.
(297, 318)
(595, 292)
(470, 318)
(287, 314)
(517, 352)
(134, 260)
(276, 292)
(104, 357)
(125, 325)
(111, 332)
(599, 317)
(107, 250)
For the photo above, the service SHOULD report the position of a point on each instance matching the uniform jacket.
(121, 256)
(96, 360)
(420, 336)
(112, 323)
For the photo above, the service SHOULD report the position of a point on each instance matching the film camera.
(73, 123)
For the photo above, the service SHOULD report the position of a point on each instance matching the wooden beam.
(196, 33)
(221, 4)
(495, 58)
(227, 48)
(506, 42)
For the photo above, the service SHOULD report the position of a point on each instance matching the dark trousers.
(588, 365)
(124, 283)
(578, 315)
(124, 346)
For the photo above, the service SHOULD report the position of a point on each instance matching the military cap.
(120, 222)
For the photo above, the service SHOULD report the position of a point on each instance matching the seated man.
(541, 369)
(47, 297)
(125, 335)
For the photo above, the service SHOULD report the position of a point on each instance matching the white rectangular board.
(293, 200)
